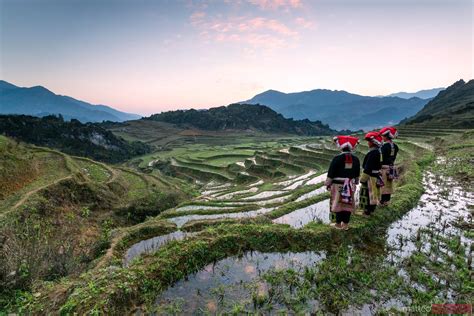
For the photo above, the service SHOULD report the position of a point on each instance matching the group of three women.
(378, 173)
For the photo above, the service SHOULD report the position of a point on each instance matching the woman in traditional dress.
(389, 154)
(371, 180)
(342, 179)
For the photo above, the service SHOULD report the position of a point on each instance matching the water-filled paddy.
(153, 244)
(240, 284)
(217, 287)
(181, 220)
(303, 216)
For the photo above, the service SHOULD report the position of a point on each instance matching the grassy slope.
(56, 222)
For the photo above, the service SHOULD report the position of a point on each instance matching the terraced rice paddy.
(223, 200)
(255, 238)
(255, 281)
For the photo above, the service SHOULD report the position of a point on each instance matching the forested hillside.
(453, 107)
(242, 117)
(75, 138)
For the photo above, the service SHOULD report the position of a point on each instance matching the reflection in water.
(181, 220)
(263, 195)
(311, 194)
(318, 179)
(232, 279)
(202, 207)
(152, 245)
(303, 216)
(275, 200)
(442, 203)
(297, 179)
(233, 194)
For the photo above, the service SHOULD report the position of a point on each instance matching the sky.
(146, 56)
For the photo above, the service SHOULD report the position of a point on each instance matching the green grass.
(94, 170)
(3, 140)
(136, 185)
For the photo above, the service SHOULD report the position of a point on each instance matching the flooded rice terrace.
(318, 212)
(443, 204)
(219, 285)
(239, 284)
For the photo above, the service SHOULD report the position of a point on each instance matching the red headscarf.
(343, 141)
(374, 138)
(389, 131)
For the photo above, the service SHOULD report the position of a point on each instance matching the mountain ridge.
(340, 109)
(422, 94)
(40, 101)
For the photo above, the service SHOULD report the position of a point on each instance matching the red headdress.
(389, 131)
(346, 142)
(374, 138)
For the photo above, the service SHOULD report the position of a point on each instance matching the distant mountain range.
(340, 109)
(453, 108)
(422, 94)
(242, 117)
(39, 101)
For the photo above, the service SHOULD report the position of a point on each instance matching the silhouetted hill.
(242, 117)
(340, 109)
(453, 107)
(39, 101)
(422, 94)
(75, 138)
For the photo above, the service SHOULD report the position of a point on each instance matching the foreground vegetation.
(57, 212)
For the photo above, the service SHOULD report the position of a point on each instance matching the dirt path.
(30, 193)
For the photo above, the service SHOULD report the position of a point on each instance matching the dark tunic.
(369, 191)
(337, 168)
(372, 162)
(389, 154)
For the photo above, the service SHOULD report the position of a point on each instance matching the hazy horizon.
(150, 56)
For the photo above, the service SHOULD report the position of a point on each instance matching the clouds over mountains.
(275, 24)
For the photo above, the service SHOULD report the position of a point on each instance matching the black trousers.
(385, 198)
(370, 209)
(343, 216)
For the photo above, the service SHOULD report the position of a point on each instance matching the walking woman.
(342, 179)
(389, 154)
(371, 180)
